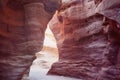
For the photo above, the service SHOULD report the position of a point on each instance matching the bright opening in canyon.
(45, 58)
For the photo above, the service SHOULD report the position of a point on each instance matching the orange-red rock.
(22, 27)
(88, 37)
(87, 34)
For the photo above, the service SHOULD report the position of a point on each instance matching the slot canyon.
(87, 34)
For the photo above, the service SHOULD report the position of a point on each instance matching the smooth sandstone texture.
(88, 39)
(22, 27)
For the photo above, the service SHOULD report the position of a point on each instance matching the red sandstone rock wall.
(88, 39)
(22, 27)
(87, 34)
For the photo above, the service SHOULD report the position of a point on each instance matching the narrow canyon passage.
(87, 36)
(45, 58)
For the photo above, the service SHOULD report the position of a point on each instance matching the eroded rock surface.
(88, 39)
(22, 27)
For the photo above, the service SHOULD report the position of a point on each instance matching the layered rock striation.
(88, 39)
(87, 34)
(22, 27)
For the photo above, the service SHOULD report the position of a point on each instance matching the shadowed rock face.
(88, 39)
(22, 27)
